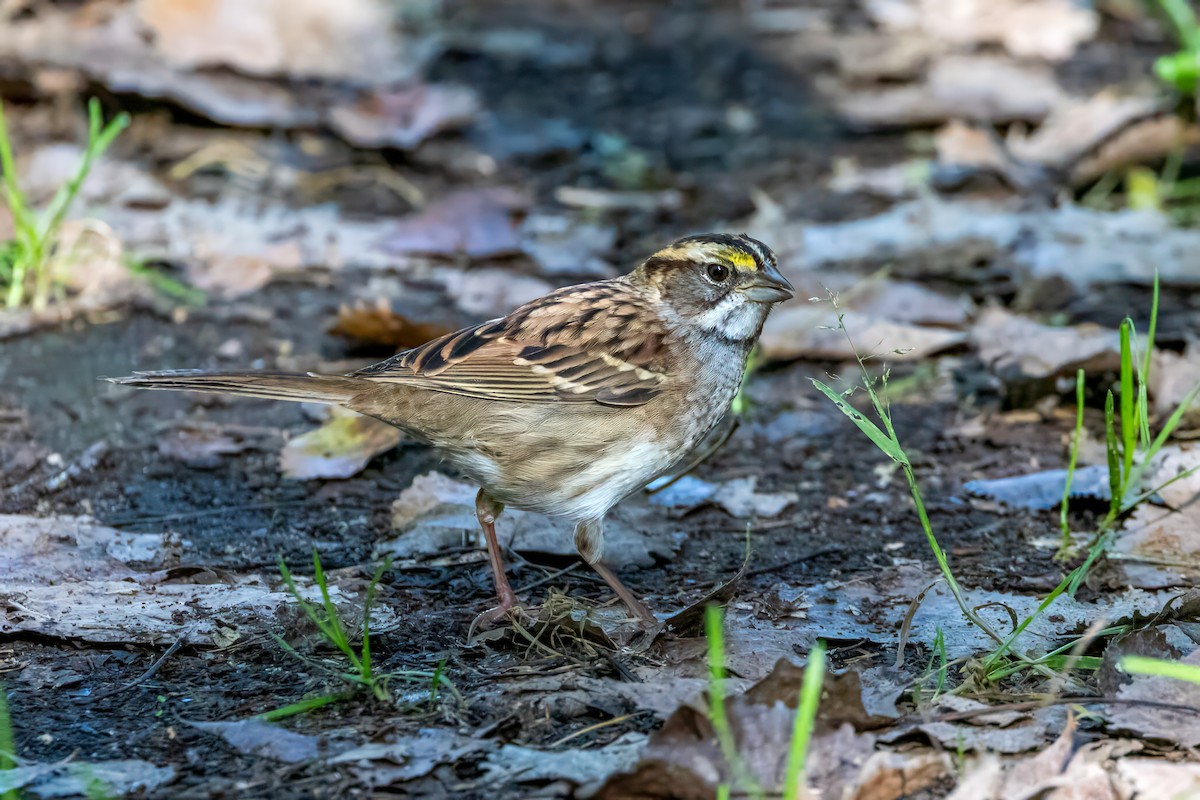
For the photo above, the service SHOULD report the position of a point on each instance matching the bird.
(572, 401)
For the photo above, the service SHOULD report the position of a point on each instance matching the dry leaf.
(204, 445)
(1019, 349)
(404, 117)
(299, 38)
(684, 760)
(382, 764)
(896, 320)
(1181, 727)
(70, 778)
(379, 326)
(66, 577)
(338, 449)
(981, 87)
(476, 224)
(254, 737)
(1045, 29)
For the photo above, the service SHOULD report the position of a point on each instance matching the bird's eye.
(717, 273)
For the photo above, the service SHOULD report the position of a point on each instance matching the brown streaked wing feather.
(590, 343)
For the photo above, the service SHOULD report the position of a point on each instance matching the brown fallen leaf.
(1141, 143)
(204, 445)
(1019, 349)
(1153, 777)
(1172, 377)
(1033, 29)
(883, 315)
(1181, 727)
(338, 449)
(404, 117)
(382, 764)
(255, 737)
(168, 49)
(476, 224)
(982, 87)
(1159, 546)
(1062, 771)
(300, 38)
(379, 326)
(69, 578)
(230, 276)
(1081, 139)
(684, 759)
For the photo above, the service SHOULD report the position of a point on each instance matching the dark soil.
(663, 79)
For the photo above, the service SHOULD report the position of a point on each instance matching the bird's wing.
(600, 342)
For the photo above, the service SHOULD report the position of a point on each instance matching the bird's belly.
(578, 461)
(570, 480)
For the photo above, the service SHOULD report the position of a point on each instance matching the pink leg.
(636, 606)
(487, 510)
(589, 541)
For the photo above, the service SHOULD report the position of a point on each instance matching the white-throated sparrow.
(572, 401)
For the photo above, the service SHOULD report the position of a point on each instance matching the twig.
(1034, 705)
(145, 676)
(824, 551)
(596, 727)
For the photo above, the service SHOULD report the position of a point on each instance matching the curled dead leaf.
(380, 326)
(338, 449)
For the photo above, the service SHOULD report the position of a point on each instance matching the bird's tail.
(330, 389)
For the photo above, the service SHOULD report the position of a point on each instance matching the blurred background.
(988, 187)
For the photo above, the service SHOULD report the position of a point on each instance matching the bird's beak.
(768, 286)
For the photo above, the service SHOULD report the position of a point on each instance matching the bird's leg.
(487, 511)
(589, 541)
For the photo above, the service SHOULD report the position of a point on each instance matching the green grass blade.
(1064, 508)
(714, 632)
(1143, 416)
(7, 748)
(1128, 422)
(1183, 20)
(1151, 331)
(1075, 577)
(1112, 450)
(300, 707)
(877, 436)
(713, 622)
(368, 601)
(1141, 665)
(166, 285)
(1068, 585)
(806, 716)
(333, 629)
(99, 139)
(1061, 662)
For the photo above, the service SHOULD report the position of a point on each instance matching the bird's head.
(723, 284)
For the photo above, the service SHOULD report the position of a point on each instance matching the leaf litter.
(69, 578)
(235, 249)
(340, 448)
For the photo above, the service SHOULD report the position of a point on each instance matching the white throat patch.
(734, 317)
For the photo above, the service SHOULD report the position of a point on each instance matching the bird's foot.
(508, 609)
